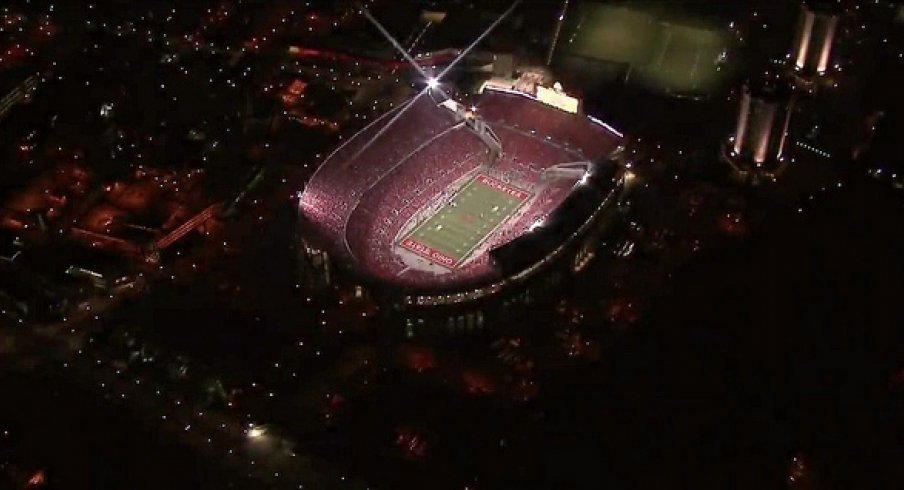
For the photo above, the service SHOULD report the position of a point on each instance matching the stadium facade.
(451, 210)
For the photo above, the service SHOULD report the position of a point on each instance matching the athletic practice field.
(449, 235)
(665, 49)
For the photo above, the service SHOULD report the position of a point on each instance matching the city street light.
(255, 431)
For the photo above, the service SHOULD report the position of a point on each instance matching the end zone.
(428, 253)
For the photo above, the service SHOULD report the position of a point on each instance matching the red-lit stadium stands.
(391, 202)
(561, 128)
(349, 171)
(371, 190)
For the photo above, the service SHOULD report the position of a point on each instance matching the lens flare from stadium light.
(435, 80)
(394, 42)
(479, 38)
(413, 63)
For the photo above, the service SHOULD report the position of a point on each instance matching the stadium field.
(450, 234)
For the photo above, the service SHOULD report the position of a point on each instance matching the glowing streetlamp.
(255, 431)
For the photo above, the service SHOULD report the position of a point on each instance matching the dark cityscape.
(451, 244)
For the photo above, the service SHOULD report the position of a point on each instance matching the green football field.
(449, 235)
(667, 49)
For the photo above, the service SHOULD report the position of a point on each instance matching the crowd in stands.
(349, 172)
(571, 130)
(525, 157)
(549, 196)
(385, 208)
(368, 190)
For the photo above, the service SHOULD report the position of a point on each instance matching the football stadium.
(449, 203)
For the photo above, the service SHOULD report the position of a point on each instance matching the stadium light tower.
(432, 82)
(480, 38)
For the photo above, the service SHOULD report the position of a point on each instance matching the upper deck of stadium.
(373, 190)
